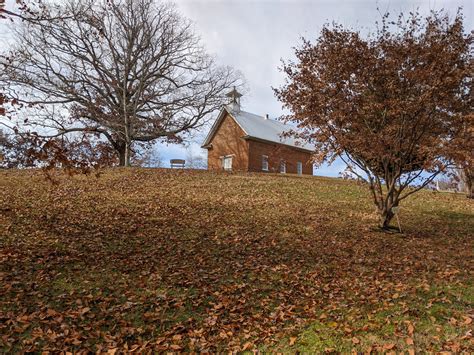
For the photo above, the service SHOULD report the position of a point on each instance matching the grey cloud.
(253, 35)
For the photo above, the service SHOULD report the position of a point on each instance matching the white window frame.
(224, 160)
(299, 168)
(265, 162)
(282, 167)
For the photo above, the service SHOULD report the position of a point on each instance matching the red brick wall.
(247, 154)
(275, 153)
(227, 141)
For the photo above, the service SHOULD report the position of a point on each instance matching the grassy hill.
(182, 260)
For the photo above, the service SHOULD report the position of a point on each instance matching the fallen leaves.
(156, 261)
(51, 313)
(389, 346)
(248, 345)
(84, 310)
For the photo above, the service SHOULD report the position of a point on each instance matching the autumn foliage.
(391, 105)
(163, 260)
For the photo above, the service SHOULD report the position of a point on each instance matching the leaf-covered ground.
(178, 261)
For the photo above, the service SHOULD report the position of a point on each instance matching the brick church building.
(243, 141)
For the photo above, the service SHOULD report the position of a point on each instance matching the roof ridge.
(260, 127)
(262, 117)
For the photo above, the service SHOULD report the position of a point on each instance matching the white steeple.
(234, 102)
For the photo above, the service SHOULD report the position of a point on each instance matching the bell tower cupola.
(234, 100)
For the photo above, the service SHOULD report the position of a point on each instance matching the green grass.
(434, 320)
(166, 260)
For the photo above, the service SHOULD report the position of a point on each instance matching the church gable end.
(228, 141)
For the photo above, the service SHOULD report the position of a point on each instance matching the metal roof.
(258, 127)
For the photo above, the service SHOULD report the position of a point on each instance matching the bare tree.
(32, 11)
(130, 70)
(26, 10)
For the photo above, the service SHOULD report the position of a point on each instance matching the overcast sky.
(253, 35)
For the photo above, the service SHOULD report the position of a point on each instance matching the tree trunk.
(124, 155)
(386, 216)
(470, 190)
(467, 175)
(387, 209)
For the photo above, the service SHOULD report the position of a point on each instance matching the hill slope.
(182, 260)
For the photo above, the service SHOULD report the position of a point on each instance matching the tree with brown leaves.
(464, 155)
(13, 151)
(389, 105)
(131, 71)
